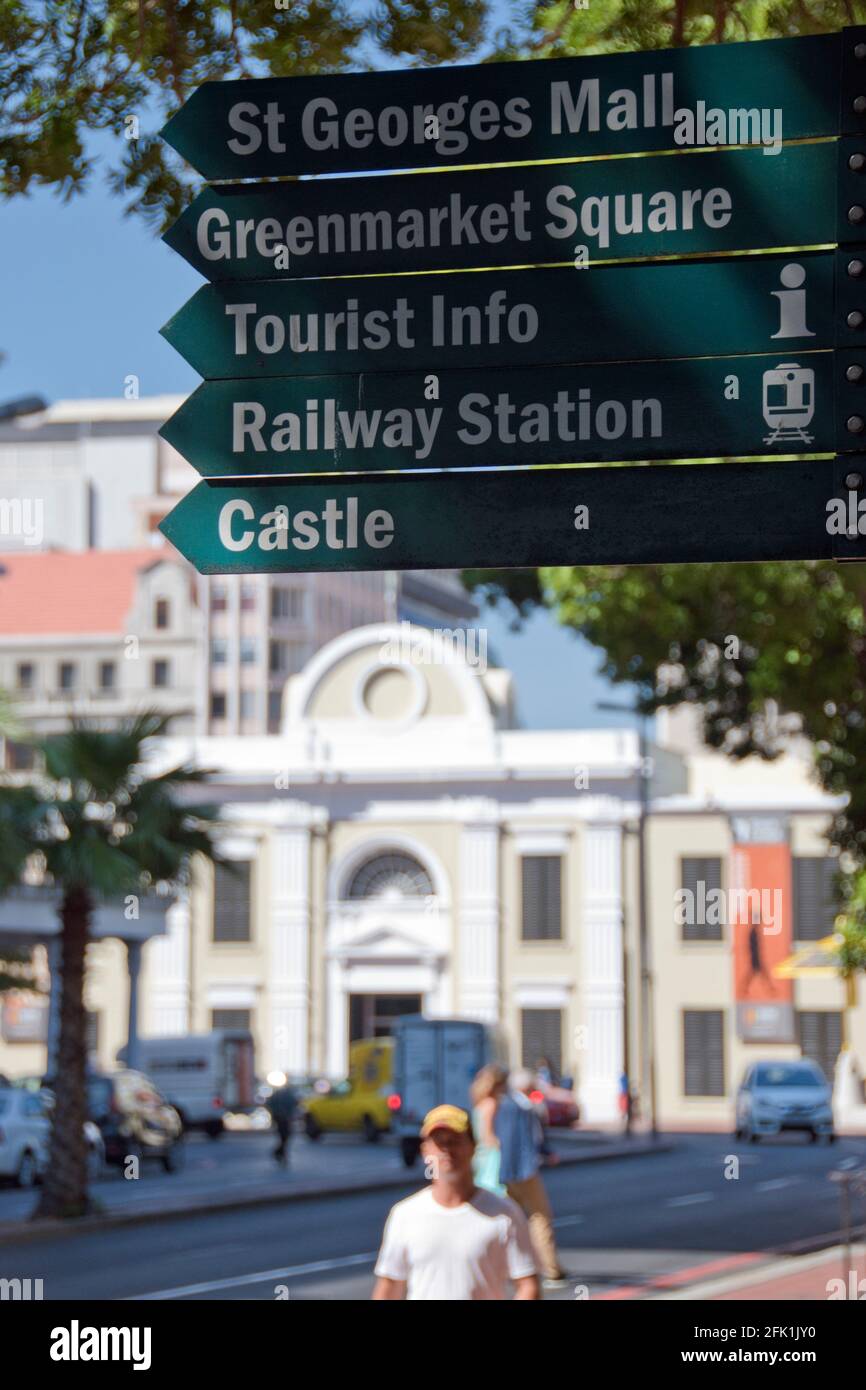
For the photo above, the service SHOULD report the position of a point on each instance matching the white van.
(435, 1062)
(201, 1076)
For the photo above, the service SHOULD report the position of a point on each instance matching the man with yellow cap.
(454, 1241)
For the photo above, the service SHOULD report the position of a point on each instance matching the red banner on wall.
(760, 915)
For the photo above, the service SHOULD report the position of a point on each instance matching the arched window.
(390, 876)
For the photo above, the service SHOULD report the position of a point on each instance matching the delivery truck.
(203, 1076)
(435, 1061)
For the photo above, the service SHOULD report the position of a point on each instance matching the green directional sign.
(526, 517)
(508, 318)
(688, 408)
(662, 205)
(728, 94)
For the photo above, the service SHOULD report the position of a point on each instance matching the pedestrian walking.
(521, 1148)
(486, 1091)
(282, 1104)
(454, 1241)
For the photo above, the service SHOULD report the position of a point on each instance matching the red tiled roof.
(52, 592)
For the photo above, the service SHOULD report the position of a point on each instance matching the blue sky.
(84, 293)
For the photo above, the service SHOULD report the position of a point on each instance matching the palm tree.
(15, 965)
(99, 827)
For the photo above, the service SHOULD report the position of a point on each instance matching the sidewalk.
(290, 1186)
(832, 1274)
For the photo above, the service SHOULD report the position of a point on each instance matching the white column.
(337, 1005)
(168, 1002)
(289, 983)
(602, 986)
(478, 912)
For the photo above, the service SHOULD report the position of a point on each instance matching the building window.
(275, 709)
(542, 897)
(24, 676)
(390, 876)
(820, 1034)
(217, 705)
(219, 651)
(699, 878)
(219, 598)
(162, 613)
(67, 675)
(107, 675)
(703, 1052)
(249, 651)
(248, 597)
(248, 704)
(231, 904)
(541, 1037)
(815, 902)
(20, 757)
(231, 1018)
(277, 658)
(287, 603)
(160, 674)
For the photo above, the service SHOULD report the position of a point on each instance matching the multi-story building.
(97, 633)
(399, 845)
(96, 475)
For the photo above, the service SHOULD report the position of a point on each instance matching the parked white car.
(25, 1126)
(776, 1096)
(24, 1130)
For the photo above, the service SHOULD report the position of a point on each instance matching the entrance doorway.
(372, 1015)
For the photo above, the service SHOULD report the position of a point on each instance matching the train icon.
(789, 403)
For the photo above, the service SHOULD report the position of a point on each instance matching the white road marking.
(690, 1200)
(569, 1221)
(772, 1184)
(263, 1277)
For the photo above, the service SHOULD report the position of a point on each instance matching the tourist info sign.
(796, 510)
(497, 113)
(514, 318)
(585, 212)
(689, 408)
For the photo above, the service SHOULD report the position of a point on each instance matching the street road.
(618, 1223)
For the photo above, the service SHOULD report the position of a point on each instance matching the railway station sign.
(769, 404)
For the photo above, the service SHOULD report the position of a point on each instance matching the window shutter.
(709, 873)
(230, 1018)
(815, 905)
(231, 909)
(820, 1033)
(542, 897)
(541, 1036)
(703, 1052)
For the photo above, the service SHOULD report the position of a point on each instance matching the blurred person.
(757, 970)
(486, 1091)
(522, 1145)
(546, 1072)
(282, 1104)
(454, 1241)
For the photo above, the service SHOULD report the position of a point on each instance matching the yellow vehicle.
(363, 1102)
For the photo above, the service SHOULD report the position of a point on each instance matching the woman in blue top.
(487, 1090)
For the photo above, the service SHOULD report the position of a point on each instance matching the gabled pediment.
(386, 943)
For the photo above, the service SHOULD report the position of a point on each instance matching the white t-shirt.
(458, 1254)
